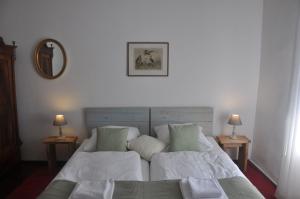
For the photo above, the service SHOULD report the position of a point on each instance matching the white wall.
(214, 59)
(278, 40)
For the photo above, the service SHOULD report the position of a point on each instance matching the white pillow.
(90, 146)
(163, 134)
(205, 145)
(146, 146)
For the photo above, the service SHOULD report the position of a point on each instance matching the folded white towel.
(93, 190)
(193, 188)
(204, 188)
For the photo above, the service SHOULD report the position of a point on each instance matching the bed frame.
(145, 118)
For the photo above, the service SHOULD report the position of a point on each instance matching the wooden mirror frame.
(36, 59)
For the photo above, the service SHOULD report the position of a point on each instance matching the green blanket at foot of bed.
(239, 188)
(59, 189)
(235, 188)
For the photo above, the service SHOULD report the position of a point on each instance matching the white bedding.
(145, 170)
(178, 165)
(95, 166)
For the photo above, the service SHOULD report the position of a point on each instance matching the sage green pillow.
(111, 139)
(184, 138)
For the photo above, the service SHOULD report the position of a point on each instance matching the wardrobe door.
(9, 152)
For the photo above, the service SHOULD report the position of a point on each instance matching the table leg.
(71, 148)
(51, 156)
(74, 147)
(243, 157)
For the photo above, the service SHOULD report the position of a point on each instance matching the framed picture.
(147, 58)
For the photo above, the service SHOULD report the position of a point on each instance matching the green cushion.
(239, 187)
(184, 138)
(112, 139)
(59, 189)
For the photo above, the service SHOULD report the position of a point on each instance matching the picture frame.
(147, 58)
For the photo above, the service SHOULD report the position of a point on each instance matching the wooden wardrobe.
(9, 138)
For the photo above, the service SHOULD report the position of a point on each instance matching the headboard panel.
(129, 116)
(165, 115)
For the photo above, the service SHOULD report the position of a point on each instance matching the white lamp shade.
(59, 120)
(235, 120)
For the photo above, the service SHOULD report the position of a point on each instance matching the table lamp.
(59, 121)
(234, 120)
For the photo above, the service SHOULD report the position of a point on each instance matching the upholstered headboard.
(166, 115)
(124, 116)
(145, 118)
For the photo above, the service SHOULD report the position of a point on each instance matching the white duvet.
(179, 165)
(96, 166)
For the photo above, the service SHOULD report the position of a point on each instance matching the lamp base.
(60, 132)
(233, 137)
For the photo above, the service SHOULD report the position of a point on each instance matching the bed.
(135, 177)
(176, 165)
(106, 165)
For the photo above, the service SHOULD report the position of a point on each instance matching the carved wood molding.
(8, 48)
(2, 42)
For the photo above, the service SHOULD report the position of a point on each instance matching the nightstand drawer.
(234, 145)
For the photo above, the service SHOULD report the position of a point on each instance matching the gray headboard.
(146, 118)
(165, 115)
(129, 116)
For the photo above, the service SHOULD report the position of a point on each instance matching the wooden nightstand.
(51, 143)
(241, 144)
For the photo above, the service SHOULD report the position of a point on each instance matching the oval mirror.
(50, 58)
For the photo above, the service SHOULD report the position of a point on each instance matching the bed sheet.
(93, 166)
(145, 170)
(177, 165)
